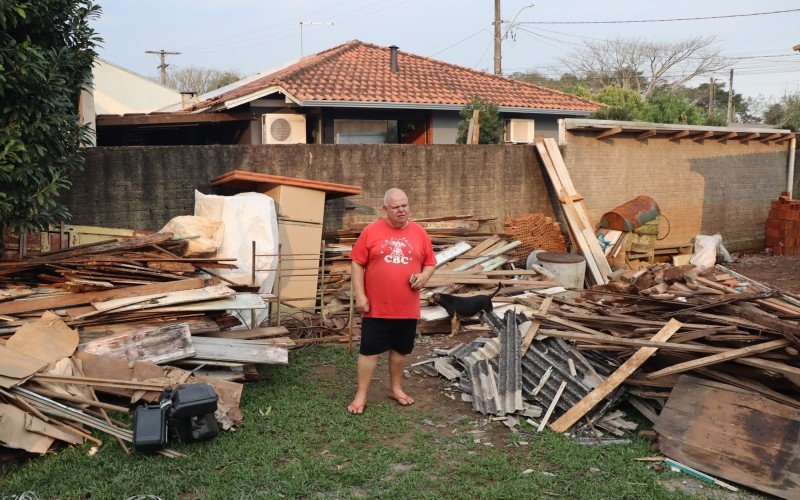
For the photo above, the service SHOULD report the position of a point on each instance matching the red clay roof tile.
(357, 71)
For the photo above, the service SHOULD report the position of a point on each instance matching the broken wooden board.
(164, 300)
(242, 351)
(56, 301)
(734, 434)
(239, 301)
(47, 338)
(157, 344)
(255, 333)
(574, 211)
(613, 381)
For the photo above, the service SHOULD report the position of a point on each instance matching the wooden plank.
(530, 334)
(646, 134)
(162, 344)
(57, 301)
(242, 351)
(703, 136)
(679, 135)
(608, 132)
(734, 434)
(172, 118)
(476, 251)
(240, 179)
(487, 256)
(625, 370)
(163, 300)
(255, 333)
(552, 406)
(452, 252)
(590, 247)
(572, 219)
(239, 301)
(719, 358)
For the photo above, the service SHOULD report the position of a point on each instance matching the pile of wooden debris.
(699, 353)
(92, 328)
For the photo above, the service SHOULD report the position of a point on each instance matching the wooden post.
(476, 128)
(711, 98)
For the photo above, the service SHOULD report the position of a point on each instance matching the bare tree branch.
(636, 63)
(199, 79)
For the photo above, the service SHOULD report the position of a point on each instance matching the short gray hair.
(393, 192)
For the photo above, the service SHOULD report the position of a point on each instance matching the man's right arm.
(357, 281)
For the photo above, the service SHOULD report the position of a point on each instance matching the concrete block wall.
(143, 187)
(701, 187)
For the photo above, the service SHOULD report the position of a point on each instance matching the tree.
(643, 65)
(741, 105)
(785, 113)
(621, 104)
(199, 79)
(492, 126)
(46, 57)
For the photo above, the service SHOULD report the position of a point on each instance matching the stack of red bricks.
(783, 226)
(535, 231)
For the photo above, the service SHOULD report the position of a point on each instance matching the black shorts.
(378, 335)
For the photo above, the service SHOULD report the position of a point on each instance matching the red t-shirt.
(390, 256)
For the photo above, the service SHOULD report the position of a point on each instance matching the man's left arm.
(418, 280)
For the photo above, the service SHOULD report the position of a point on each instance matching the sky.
(252, 36)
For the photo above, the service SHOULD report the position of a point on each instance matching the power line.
(630, 21)
(459, 42)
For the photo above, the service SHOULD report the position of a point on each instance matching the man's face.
(397, 211)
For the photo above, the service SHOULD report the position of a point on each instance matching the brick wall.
(702, 188)
(143, 187)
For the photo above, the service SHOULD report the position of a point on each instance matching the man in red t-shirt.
(392, 259)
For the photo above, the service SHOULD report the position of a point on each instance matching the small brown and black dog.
(463, 307)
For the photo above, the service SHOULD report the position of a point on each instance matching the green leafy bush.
(492, 126)
(46, 54)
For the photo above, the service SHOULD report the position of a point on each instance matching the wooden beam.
(625, 370)
(726, 137)
(75, 299)
(771, 137)
(719, 358)
(609, 132)
(785, 138)
(646, 134)
(679, 135)
(703, 136)
(172, 118)
(749, 137)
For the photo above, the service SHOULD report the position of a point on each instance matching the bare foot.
(356, 407)
(401, 397)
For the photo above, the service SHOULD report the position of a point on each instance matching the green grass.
(308, 446)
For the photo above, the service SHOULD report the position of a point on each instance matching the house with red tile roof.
(353, 93)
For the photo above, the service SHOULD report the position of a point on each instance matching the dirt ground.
(783, 272)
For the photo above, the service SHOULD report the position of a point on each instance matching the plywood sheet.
(733, 434)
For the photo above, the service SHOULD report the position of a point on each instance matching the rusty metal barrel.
(631, 215)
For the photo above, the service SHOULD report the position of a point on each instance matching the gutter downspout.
(790, 174)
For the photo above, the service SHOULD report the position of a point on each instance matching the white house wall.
(118, 91)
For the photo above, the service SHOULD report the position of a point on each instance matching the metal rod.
(350, 324)
(278, 289)
(322, 279)
(253, 281)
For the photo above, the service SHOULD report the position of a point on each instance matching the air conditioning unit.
(520, 131)
(283, 128)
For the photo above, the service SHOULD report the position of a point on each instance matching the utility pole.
(711, 89)
(163, 66)
(730, 100)
(498, 66)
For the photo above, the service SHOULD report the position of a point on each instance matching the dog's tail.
(499, 286)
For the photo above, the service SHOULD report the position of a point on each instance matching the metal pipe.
(790, 174)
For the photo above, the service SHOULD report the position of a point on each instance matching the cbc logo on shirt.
(396, 251)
